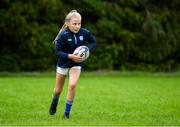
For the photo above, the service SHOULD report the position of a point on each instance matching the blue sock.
(55, 100)
(68, 106)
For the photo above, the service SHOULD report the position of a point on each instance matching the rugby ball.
(82, 51)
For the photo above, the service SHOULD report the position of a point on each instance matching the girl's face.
(75, 24)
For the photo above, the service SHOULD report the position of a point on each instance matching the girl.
(68, 39)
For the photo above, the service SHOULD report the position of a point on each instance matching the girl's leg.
(74, 74)
(60, 79)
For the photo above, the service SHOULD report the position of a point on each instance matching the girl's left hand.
(75, 58)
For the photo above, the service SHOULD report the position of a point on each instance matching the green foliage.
(27, 34)
(131, 34)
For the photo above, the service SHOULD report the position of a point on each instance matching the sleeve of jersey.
(91, 41)
(60, 43)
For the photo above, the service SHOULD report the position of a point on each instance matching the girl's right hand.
(75, 58)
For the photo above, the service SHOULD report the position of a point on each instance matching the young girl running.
(68, 39)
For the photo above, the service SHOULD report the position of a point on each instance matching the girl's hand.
(75, 58)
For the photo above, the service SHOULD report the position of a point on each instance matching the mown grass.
(101, 99)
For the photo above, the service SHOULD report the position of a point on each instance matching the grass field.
(101, 99)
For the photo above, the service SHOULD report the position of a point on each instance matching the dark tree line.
(131, 34)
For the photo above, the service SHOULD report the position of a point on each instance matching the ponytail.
(63, 27)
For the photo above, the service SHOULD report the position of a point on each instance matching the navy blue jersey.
(67, 41)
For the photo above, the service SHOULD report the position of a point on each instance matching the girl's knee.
(72, 86)
(57, 92)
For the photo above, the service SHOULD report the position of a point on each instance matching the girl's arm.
(60, 44)
(91, 41)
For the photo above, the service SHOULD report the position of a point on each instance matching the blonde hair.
(71, 14)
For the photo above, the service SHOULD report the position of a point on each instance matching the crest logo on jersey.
(69, 39)
(80, 38)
